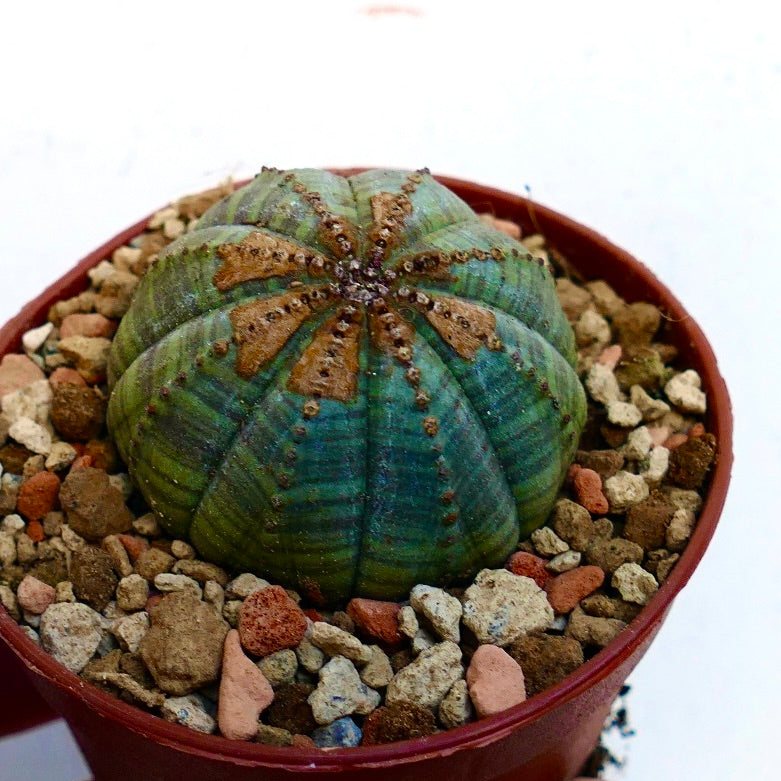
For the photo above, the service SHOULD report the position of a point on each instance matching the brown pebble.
(38, 496)
(545, 659)
(644, 368)
(95, 508)
(269, 621)
(201, 571)
(183, 647)
(603, 606)
(78, 414)
(343, 621)
(398, 721)
(153, 562)
(647, 522)
(592, 631)
(13, 457)
(635, 325)
(690, 461)
(566, 590)
(605, 463)
(92, 574)
(290, 709)
(103, 453)
(572, 522)
(609, 555)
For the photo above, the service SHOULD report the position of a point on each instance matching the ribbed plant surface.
(347, 385)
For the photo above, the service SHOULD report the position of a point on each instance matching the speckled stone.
(342, 733)
(427, 679)
(500, 606)
(341, 692)
(183, 647)
(93, 578)
(269, 620)
(71, 633)
(442, 610)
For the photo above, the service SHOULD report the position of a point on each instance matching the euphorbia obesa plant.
(348, 385)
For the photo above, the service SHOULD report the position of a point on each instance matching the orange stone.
(270, 621)
(379, 620)
(566, 590)
(530, 566)
(64, 375)
(588, 488)
(38, 495)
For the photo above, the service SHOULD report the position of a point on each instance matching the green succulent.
(347, 385)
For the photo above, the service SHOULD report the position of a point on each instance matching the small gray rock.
(341, 692)
(500, 606)
(71, 633)
(427, 679)
(441, 609)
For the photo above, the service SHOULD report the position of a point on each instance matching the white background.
(656, 123)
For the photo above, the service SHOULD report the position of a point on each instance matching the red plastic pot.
(546, 738)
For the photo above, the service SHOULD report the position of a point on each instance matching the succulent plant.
(347, 385)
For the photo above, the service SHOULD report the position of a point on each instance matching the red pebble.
(566, 590)
(64, 375)
(38, 495)
(588, 489)
(270, 621)
(377, 619)
(697, 430)
(530, 566)
(571, 472)
(153, 601)
(610, 356)
(134, 546)
(313, 615)
(35, 531)
(676, 439)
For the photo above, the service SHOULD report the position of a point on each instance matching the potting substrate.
(88, 572)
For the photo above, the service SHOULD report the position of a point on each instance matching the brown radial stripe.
(336, 232)
(262, 328)
(328, 367)
(434, 265)
(392, 334)
(463, 325)
(260, 256)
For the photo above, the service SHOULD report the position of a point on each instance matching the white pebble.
(634, 583)
(341, 692)
(12, 524)
(408, 621)
(130, 630)
(33, 340)
(336, 642)
(622, 413)
(7, 550)
(427, 679)
(168, 583)
(500, 606)
(638, 444)
(378, 672)
(100, 273)
(71, 633)
(456, 709)
(440, 608)
(547, 543)
(679, 529)
(684, 392)
(32, 435)
(244, 585)
(564, 562)
(189, 711)
(652, 409)
(61, 456)
(592, 328)
(655, 468)
(602, 384)
(624, 490)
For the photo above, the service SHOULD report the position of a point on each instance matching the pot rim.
(478, 733)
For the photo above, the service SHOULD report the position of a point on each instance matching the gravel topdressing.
(87, 572)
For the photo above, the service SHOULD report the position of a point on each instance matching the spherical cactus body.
(347, 385)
